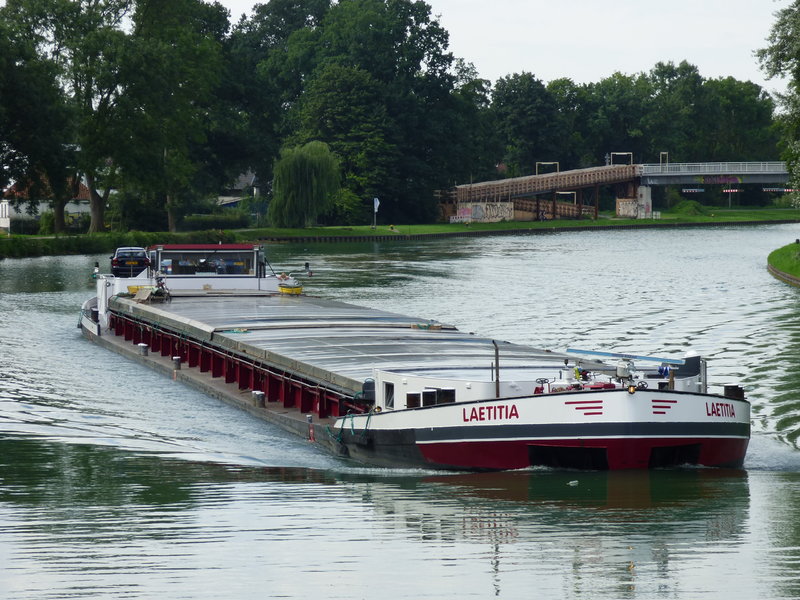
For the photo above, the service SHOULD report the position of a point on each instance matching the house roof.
(244, 181)
(18, 190)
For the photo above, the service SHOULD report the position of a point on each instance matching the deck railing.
(715, 168)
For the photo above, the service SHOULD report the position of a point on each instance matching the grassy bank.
(20, 246)
(715, 216)
(786, 260)
(25, 246)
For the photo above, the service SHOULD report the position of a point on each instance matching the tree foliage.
(171, 67)
(306, 180)
(671, 109)
(526, 116)
(781, 57)
(344, 108)
(157, 104)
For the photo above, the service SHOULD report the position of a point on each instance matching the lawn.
(786, 259)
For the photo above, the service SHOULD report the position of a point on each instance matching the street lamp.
(628, 154)
(547, 163)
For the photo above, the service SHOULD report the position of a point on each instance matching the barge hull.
(306, 358)
(393, 448)
(287, 418)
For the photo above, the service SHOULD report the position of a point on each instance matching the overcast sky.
(588, 40)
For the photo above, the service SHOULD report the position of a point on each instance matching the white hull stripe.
(579, 438)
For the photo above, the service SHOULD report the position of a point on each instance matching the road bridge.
(564, 193)
(713, 173)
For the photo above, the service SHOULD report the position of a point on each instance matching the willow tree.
(306, 178)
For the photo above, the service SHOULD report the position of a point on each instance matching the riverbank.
(784, 263)
(30, 246)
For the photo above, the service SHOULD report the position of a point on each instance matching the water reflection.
(46, 274)
(366, 264)
(39, 473)
(94, 516)
(781, 372)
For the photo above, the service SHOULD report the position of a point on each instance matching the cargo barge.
(392, 390)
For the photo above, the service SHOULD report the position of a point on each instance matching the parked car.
(129, 261)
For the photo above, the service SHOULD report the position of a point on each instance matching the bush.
(348, 209)
(47, 223)
(21, 247)
(787, 201)
(671, 197)
(24, 226)
(79, 223)
(226, 220)
(689, 208)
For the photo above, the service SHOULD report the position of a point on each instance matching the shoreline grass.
(21, 246)
(786, 260)
(715, 217)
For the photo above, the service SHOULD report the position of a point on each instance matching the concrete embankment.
(791, 279)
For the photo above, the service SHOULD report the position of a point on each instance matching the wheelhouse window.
(218, 263)
(388, 394)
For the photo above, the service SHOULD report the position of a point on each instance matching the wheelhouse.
(203, 260)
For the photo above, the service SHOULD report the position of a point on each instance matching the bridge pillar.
(636, 206)
(596, 201)
(645, 201)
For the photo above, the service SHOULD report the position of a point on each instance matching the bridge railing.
(514, 187)
(723, 168)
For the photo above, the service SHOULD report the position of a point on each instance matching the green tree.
(615, 109)
(476, 147)
(404, 50)
(526, 115)
(264, 80)
(84, 40)
(739, 123)
(169, 70)
(674, 112)
(306, 180)
(35, 148)
(570, 143)
(344, 107)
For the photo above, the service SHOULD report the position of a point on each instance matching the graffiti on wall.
(484, 212)
(715, 179)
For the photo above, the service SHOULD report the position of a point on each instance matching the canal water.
(116, 482)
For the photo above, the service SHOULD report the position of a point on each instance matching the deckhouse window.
(446, 395)
(388, 394)
(429, 397)
(205, 262)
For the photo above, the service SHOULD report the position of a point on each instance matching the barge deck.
(307, 355)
